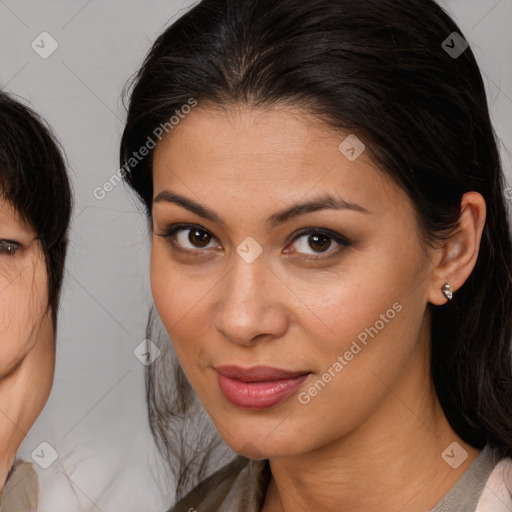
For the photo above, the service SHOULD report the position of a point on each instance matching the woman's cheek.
(15, 342)
(22, 306)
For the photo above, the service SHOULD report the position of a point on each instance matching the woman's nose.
(252, 303)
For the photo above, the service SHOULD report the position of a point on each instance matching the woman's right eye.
(9, 247)
(188, 238)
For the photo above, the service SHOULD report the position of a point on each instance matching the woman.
(35, 210)
(331, 257)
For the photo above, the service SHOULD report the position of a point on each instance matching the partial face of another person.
(27, 341)
(291, 324)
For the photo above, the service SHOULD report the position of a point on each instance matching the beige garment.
(239, 486)
(497, 494)
(20, 490)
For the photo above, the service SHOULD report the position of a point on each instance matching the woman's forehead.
(10, 216)
(268, 156)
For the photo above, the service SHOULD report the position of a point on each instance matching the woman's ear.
(460, 252)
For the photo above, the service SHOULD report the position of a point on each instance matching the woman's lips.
(258, 387)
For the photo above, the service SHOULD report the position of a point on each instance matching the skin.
(372, 438)
(27, 349)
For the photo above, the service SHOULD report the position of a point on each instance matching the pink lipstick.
(258, 387)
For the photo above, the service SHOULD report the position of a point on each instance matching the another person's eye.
(9, 247)
(319, 241)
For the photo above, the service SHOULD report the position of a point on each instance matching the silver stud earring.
(447, 290)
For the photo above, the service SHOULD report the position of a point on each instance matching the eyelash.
(5, 245)
(175, 228)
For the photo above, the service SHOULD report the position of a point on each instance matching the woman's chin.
(256, 448)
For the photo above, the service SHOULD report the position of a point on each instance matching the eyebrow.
(325, 202)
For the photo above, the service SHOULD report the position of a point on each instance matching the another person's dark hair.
(375, 68)
(33, 178)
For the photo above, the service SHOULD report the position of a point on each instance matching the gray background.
(96, 416)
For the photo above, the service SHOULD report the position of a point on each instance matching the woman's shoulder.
(21, 489)
(239, 485)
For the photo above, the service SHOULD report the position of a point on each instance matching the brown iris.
(321, 246)
(199, 241)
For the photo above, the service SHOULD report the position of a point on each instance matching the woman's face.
(291, 323)
(27, 351)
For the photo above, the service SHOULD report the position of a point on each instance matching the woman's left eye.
(9, 247)
(316, 239)
(320, 241)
